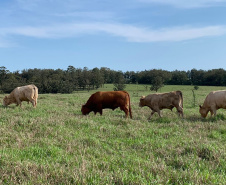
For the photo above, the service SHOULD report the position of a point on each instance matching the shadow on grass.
(218, 117)
(161, 120)
(192, 119)
(78, 114)
(8, 107)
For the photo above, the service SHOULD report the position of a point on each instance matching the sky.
(123, 35)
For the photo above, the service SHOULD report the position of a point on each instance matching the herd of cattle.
(114, 99)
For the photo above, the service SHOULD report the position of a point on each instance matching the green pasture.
(55, 144)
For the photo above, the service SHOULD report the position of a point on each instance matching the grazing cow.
(110, 99)
(159, 101)
(214, 101)
(24, 93)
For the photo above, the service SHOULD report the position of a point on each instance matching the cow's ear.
(142, 97)
(200, 106)
(5, 96)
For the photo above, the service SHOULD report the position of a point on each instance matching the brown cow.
(159, 101)
(110, 99)
(24, 93)
(214, 101)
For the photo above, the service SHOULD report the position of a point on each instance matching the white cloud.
(130, 33)
(135, 34)
(187, 3)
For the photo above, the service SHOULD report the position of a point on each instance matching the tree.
(72, 77)
(86, 79)
(3, 73)
(106, 73)
(119, 82)
(157, 83)
(97, 78)
(197, 77)
(193, 93)
(179, 78)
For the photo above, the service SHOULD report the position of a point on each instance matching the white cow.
(214, 101)
(27, 93)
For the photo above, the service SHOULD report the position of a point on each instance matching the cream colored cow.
(214, 100)
(27, 93)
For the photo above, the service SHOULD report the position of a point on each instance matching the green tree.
(193, 93)
(119, 83)
(157, 83)
(97, 78)
(3, 74)
(86, 79)
(72, 77)
(179, 78)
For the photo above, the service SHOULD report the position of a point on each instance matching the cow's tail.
(35, 97)
(181, 96)
(130, 111)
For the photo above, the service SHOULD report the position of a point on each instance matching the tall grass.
(55, 144)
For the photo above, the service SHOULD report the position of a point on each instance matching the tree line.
(76, 79)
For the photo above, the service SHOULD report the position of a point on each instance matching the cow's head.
(6, 101)
(85, 110)
(142, 103)
(203, 111)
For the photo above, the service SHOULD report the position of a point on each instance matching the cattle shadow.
(7, 107)
(218, 117)
(191, 119)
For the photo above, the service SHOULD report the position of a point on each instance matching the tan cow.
(159, 101)
(24, 93)
(214, 101)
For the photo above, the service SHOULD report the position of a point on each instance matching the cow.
(27, 93)
(159, 101)
(214, 101)
(109, 99)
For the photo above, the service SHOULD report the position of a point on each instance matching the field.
(55, 144)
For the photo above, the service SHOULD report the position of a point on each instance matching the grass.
(55, 144)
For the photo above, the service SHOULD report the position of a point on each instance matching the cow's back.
(217, 98)
(108, 99)
(164, 100)
(111, 99)
(169, 100)
(24, 92)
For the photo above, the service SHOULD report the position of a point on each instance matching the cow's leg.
(155, 109)
(159, 113)
(18, 102)
(214, 110)
(36, 101)
(151, 114)
(34, 104)
(126, 110)
(180, 111)
(211, 113)
(101, 111)
(32, 101)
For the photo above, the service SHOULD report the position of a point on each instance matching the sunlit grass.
(55, 144)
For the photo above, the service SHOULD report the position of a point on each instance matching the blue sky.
(126, 35)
